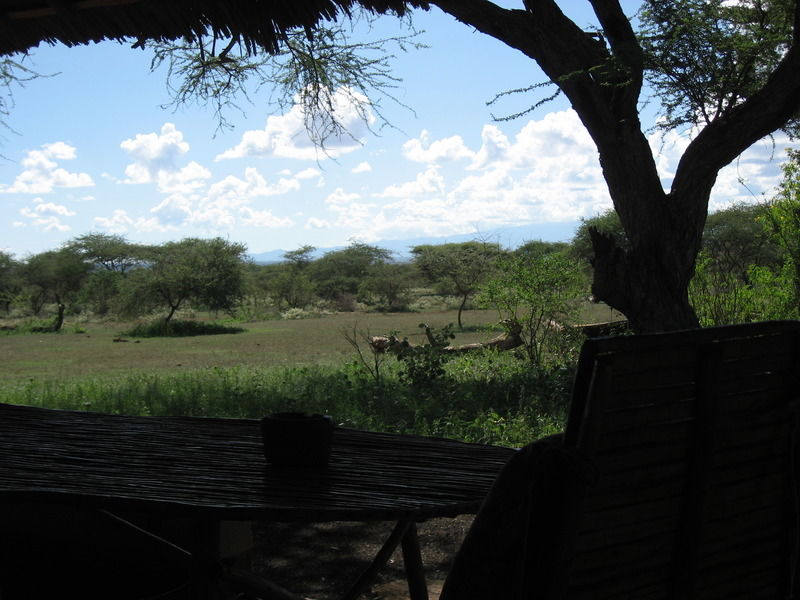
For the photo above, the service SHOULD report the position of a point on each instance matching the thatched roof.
(24, 24)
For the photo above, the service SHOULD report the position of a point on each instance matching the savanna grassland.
(92, 351)
(305, 364)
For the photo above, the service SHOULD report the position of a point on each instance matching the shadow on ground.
(321, 560)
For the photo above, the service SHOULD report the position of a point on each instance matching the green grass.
(94, 352)
(305, 365)
(491, 399)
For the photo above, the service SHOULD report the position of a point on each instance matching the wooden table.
(210, 470)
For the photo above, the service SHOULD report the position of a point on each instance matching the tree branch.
(622, 38)
(718, 144)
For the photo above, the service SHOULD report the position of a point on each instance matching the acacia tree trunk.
(461, 306)
(172, 310)
(59, 320)
(602, 77)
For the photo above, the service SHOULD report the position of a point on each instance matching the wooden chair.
(676, 477)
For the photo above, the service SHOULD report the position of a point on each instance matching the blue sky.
(92, 150)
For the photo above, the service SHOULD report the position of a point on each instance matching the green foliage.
(54, 276)
(458, 269)
(538, 293)
(722, 297)
(108, 251)
(386, 286)
(369, 363)
(536, 248)
(782, 221)
(423, 366)
(285, 284)
(734, 239)
(301, 257)
(35, 325)
(209, 273)
(10, 281)
(705, 57)
(489, 398)
(607, 223)
(340, 272)
(100, 290)
(178, 328)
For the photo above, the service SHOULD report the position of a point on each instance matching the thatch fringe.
(259, 24)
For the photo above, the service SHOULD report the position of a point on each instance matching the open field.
(267, 343)
(306, 365)
(322, 340)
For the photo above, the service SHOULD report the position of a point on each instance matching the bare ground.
(321, 561)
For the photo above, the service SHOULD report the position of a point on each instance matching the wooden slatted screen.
(692, 436)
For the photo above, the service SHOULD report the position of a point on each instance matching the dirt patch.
(321, 561)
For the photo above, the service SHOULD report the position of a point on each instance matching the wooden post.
(412, 559)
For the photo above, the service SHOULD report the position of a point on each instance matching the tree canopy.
(207, 272)
(459, 269)
(55, 275)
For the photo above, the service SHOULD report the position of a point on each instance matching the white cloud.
(153, 224)
(309, 173)
(422, 149)
(427, 183)
(494, 148)
(264, 218)
(189, 178)
(358, 216)
(752, 177)
(548, 172)
(174, 210)
(47, 216)
(119, 222)
(165, 218)
(233, 191)
(223, 205)
(339, 197)
(362, 167)
(286, 136)
(60, 151)
(42, 175)
(315, 223)
(154, 153)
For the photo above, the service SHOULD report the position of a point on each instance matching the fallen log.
(508, 340)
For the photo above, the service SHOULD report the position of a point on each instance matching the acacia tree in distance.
(459, 269)
(108, 251)
(209, 273)
(55, 275)
(10, 283)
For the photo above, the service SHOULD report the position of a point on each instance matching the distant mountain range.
(508, 237)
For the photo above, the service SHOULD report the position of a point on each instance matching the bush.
(173, 328)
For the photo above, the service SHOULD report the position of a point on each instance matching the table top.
(214, 468)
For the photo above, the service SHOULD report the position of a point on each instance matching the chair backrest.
(683, 482)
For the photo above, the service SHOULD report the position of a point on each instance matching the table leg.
(368, 576)
(206, 571)
(412, 560)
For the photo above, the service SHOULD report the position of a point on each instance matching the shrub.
(173, 328)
